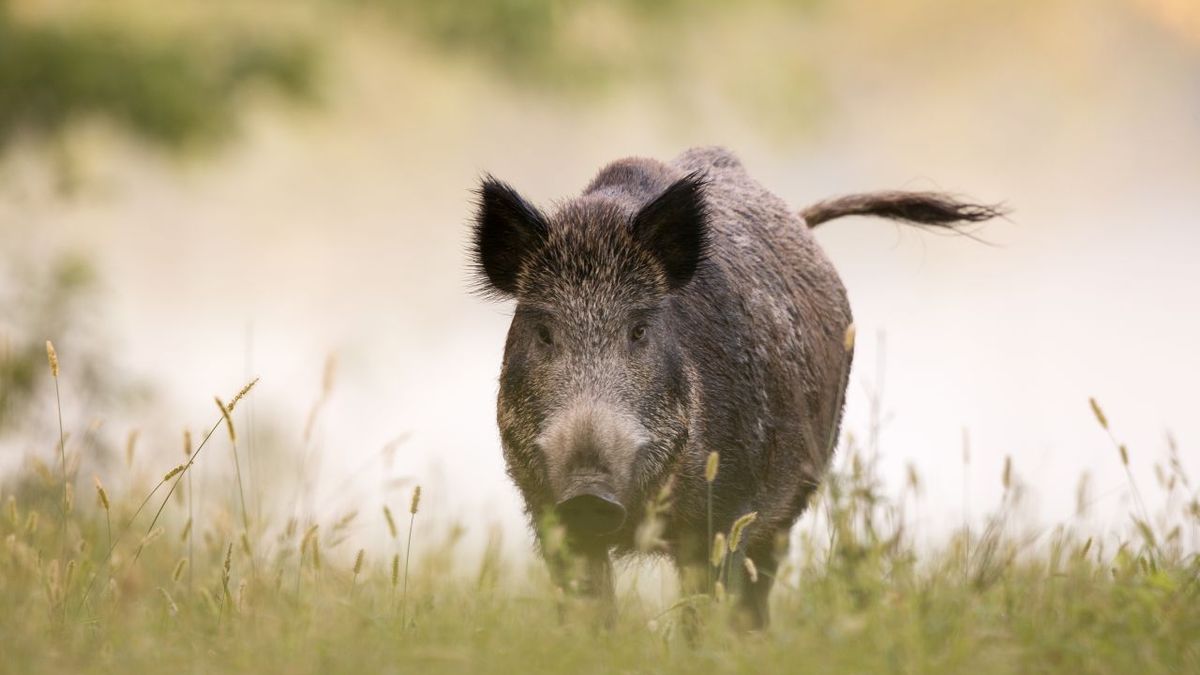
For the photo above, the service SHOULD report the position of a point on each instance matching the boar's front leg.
(584, 574)
(696, 579)
(749, 592)
(589, 573)
(752, 589)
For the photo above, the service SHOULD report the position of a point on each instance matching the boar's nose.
(591, 512)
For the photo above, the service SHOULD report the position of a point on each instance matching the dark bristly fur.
(669, 311)
(507, 224)
(681, 249)
(923, 208)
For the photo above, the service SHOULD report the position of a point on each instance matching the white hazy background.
(344, 233)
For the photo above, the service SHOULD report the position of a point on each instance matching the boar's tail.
(923, 208)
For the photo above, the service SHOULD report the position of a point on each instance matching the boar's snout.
(591, 510)
(590, 448)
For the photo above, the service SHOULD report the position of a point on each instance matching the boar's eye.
(638, 333)
(544, 335)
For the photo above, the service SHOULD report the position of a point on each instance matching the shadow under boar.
(671, 311)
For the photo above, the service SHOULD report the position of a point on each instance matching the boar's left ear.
(507, 229)
(674, 228)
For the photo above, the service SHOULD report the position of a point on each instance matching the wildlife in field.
(679, 337)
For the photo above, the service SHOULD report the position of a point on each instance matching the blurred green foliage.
(169, 90)
(569, 44)
(52, 300)
(178, 88)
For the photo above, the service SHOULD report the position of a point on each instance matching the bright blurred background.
(192, 193)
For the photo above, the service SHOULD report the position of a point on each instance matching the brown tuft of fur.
(921, 208)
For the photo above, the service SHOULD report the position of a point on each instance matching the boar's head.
(594, 392)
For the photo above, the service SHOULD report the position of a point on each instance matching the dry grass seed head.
(416, 500)
(914, 478)
(131, 446)
(51, 574)
(1087, 545)
(328, 376)
(242, 393)
(649, 532)
(739, 526)
(1083, 495)
(101, 495)
(151, 536)
(710, 466)
(751, 569)
(391, 522)
(179, 569)
(345, 521)
(227, 417)
(172, 608)
(1098, 413)
(52, 357)
(305, 541)
(718, 550)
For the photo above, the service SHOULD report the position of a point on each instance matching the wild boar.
(670, 311)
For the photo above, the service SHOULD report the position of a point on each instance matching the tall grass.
(52, 358)
(857, 593)
(413, 506)
(711, 467)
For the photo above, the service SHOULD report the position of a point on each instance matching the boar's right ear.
(674, 228)
(507, 229)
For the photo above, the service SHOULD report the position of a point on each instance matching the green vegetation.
(176, 77)
(170, 90)
(568, 46)
(232, 592)
(59, 295)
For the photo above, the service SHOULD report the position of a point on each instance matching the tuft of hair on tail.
(922, 208)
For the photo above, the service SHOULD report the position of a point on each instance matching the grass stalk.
(358, 565)
(227, 415)
(102, 498)
(412, 518)
(710, 531)
(711, 467)
(52, 358)
(191, 534)
(1123, 451)
(113, 546)
(186, 467)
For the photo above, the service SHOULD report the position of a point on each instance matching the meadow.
(119, 573)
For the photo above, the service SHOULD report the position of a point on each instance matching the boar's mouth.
(590, 509)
